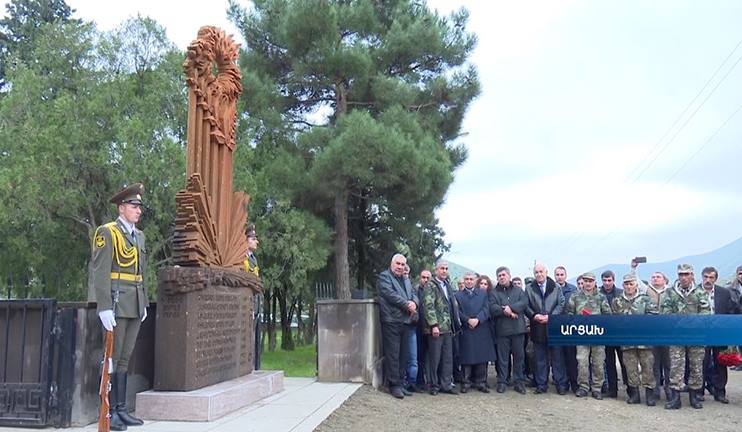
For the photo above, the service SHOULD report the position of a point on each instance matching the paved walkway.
(301, 407)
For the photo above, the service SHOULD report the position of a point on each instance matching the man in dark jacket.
(475, 340)
(722, 302)
(422, 341)
(569, 352)
(610, 386)
(545, 299)
(507, 305)
(398, 310)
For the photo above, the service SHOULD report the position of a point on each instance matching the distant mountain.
(725, 259)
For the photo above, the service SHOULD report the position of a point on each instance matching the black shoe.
(396, 391)
(121, 408)
(613, 393)
(539, 390)
(502, 387)
(604, 388)
(406, 392)
(412, 388)
(433, 392)
(694, 398)
(597, 395)
(113, 400)
(464, 388)
(520, 388)
(562, 391)
(634, 397)
(721, 396)
(673, 402)
(650, 396)
(581, 393)
(483, 388)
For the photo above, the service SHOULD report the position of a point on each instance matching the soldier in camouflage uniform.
(683, 299)
(589, 301)
(633, 303)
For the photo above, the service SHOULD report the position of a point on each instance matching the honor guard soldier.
(117, 273)
(251, 266)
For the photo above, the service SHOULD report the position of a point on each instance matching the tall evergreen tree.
(360, 102)
(22, 25)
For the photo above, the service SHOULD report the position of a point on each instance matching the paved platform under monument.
(300, 407)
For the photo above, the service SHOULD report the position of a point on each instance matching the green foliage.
(87, 116)
(21, 26)
(361, 99)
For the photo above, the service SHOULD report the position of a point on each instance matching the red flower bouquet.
(729, 357)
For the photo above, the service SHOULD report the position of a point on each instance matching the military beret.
(588, 275)
(685, 268)
(129, 195)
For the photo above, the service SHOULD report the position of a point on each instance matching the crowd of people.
(441, 337)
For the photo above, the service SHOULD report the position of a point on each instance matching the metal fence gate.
(26, 361)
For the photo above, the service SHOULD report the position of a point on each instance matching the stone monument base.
(209, 403)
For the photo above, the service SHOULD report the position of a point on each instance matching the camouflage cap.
(129, 195)
(685, 268)
(588, 275)
(628, 277)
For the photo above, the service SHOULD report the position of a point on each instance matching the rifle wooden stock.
(104, 418)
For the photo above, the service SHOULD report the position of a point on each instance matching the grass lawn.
(301, 362)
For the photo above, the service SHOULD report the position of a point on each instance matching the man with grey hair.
(441, 322)
(545, 299)
(398, 304)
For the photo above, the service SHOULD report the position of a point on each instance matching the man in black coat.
(398, 305)
(507, 305)
(721, 300)
(610, 385)
(545, 299)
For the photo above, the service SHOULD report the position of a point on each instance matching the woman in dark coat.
(475, 341)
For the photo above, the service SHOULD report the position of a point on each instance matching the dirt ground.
(377, 411)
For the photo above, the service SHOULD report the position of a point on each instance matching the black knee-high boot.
(122, 409)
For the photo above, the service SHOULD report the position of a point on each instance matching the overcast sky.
(605, 129)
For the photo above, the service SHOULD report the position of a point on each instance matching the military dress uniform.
(117, 273)
(251, 266)
(636, 356)
(693, 300)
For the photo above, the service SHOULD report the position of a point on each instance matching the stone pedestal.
(349, 341)
(205, 332)
(209, 403)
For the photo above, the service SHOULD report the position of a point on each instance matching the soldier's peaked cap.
(129, 195)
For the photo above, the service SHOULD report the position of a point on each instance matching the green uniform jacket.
(640, 304)
(696, 301)
(436, 309)
(581, 303)
(119, 264)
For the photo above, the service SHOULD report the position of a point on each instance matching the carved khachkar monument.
(210, 219)
(205, 302)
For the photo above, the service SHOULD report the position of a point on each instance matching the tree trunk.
(311, 328)
(342, 269)
(299, 321)
(272, 326)
(287, 341)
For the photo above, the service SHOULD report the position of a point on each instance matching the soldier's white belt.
(126, 277)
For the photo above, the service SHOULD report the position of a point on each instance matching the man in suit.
(545, 299)
(398, 306)
(118, 266)
(251, 266)
(721, 301)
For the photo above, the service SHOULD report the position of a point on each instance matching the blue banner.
(704, 330)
